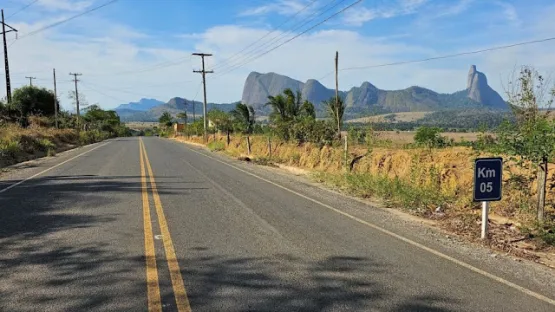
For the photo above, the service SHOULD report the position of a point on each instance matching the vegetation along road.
(136, 224)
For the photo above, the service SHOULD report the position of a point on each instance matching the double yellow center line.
(153, 286)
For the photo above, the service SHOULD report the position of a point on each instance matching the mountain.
(368, 98)
(142, 105)
(174, 106)
(481, 92)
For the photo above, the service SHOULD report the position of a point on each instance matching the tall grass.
(393, 191)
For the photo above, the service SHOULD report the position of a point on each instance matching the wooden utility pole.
(55, 99)
(77, 99)
(6, 63)
(30, 80)
(204, 72)
(337, 93)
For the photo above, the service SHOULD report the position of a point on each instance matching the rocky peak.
(479, 90)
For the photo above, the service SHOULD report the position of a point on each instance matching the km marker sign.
(487, 179)
(487, 185)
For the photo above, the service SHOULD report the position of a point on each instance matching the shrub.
(215, 146)
(46, 145)
(9, 148)
(429, 136)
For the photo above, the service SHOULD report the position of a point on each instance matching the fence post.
(269, 148)
(248, 145)
(346, 149)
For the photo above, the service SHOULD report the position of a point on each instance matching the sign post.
(487, 186)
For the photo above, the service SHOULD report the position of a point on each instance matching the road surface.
(150, 224)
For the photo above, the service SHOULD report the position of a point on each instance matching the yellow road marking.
(181, 299)
(153, 287)
(397, 236)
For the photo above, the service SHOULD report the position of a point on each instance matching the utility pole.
(337, 93)
(55, 99)
(6, 64)
(77, 99)
(31, 80)
(204, 72)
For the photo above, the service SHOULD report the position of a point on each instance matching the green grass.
(215, 146)
(9, 148)
(393, 191)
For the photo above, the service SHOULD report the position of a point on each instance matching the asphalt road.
(90, 231)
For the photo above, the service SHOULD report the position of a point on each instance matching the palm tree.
(336, 109)
(243, 116)
(289, 106)
(279, 108)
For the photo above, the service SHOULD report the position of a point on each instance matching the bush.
(46, 145)
(429, 136)
(9, 148)
(306, 130)
(215, 146)
(93, 136)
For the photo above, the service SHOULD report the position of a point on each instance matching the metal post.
(485, 211)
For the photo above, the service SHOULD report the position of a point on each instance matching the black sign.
(487, 179)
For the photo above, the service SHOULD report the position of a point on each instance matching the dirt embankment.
(21, 144)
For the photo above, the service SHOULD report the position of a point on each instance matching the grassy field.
(141, 125)
(405, 137)
(398, 117)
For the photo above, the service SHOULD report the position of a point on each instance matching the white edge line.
(48, 169)
(402, 238)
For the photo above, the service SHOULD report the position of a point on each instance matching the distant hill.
(368, 98)
(174, 106)
(142, 105)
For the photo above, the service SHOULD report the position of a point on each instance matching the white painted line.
(402, 238)
(48, 169)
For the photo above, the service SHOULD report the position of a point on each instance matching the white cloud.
(282, 7)
(65, 5)
(449, 10)
(509, 11)
(359, 16)
(123, 67)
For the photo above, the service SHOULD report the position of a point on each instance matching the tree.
(429, 136)
(289, 106)
(244, 118)
(182, 116)
(222, 121)
(33, 101)
(532, 136)
(166, 119)
(336, 109)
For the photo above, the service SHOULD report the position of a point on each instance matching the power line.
(149, 68)
(292, 38)
(22, 8)
(244, 59)
(267, 34)
(123, 91)
(444, 56)
(34, 32)
(102, 93)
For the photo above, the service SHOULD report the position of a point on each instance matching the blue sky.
(141, 48)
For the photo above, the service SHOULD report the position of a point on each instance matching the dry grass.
(141, 125)
(406, 137)
(449, 170)
(19, 144)
(399, 117)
